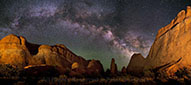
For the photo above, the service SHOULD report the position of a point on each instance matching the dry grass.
(62, 80)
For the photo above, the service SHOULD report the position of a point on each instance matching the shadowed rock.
(124, 70)
(95, 68)
(113, 67)
(77, 70)
(136, 64)
(40, 71)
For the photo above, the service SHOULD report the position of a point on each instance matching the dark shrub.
(6, 70)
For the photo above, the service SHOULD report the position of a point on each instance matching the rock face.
(171, 48)
(136, 64)
(170, 51)
(113, 67)
(18, 52)
(13, 51)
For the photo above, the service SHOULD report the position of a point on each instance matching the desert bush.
(63, 76)
(182, 72)
(7, 70)
(40, 71)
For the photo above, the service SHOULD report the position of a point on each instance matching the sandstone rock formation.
(171, 48)
(16, 51)
(113, 67)
(57, 55)
(13, 51)
(136, 64)
(95, 68)
(170, 51)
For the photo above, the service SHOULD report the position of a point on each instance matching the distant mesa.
(170, 51)
(16, 51)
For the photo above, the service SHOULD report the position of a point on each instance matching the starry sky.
(93, 29)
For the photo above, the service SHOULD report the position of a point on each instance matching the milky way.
(93, 29)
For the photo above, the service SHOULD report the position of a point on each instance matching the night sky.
(93, 29)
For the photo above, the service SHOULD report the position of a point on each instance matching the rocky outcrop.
(136, 64)
(13, 51)
(170, 51)
(57, 55)
(113, 67)
(16, 51)
(124, 70)
(95, 68)
(172, 45)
